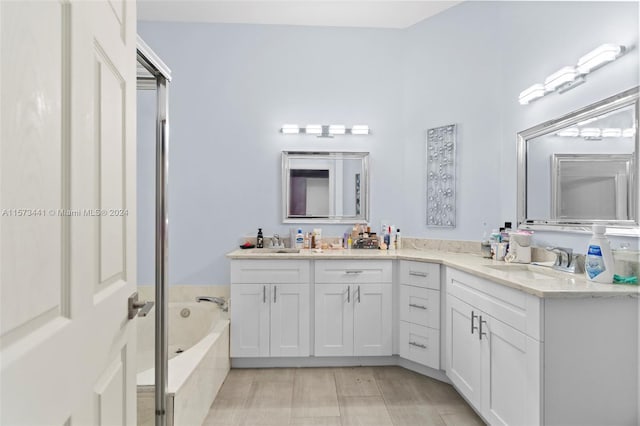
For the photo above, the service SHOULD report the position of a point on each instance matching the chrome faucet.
(220, 301)
(566, 261)
(275, 241)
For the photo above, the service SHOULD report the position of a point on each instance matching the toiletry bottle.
(387, 237)
(485, 244)
(599, 261)
(349, 242)
(299, 239)
(260, 239)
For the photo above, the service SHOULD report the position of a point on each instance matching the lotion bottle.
(599, 260)
(299, 239)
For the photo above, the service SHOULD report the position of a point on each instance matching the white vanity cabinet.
(353, 307)
(493, 348)
(419, 312)
(269, 308)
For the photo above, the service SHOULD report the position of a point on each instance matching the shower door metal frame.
(161, 77)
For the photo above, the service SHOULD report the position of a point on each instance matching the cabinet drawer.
(420, 344)
(353, 271)
(269, 271)
(520, 310)
(420, 274)
(420, 306)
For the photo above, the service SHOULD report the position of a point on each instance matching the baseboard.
(347, 361)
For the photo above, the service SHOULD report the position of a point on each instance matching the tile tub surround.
(185, 292)
(554, 285)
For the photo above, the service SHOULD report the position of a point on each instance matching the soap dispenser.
(260, 239)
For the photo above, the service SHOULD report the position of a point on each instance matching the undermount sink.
(527, 271)
(277, 250)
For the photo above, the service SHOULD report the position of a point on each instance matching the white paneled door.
(67, 220)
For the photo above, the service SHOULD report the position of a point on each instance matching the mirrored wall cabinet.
(582, 169)
(325, 187)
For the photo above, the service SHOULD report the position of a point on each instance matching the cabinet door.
(334, 319)
(289, 320)
(510, 375)
(463, 349)
(249, 320)
(372, 319)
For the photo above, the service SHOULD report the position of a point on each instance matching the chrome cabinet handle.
(349, 294)
(353, 271)
(418, 274)
(264, 294)
(358, 294)
(419, 345)
(136, 308)
(413, 305)
(482, 333)
(473, 327)
(275, 293)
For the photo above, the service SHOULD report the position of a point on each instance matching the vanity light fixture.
(534, 92)
(590, 132)
(611, 133)
(594, 132)
(337, 129)
(313, 129)
(571, 76)
(325, 130)
(599, 56)
(571, 132)
(360, 129)
(563, 76)
(290, 129)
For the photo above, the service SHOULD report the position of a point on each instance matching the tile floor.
(367, 396)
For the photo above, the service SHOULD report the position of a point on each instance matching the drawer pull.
(275, 292)
(413, 305)
(353, 272)
(473, 317)
(349, 294)
(358, 294)
(418, 345)
(418, 274)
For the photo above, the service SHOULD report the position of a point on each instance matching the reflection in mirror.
(582, 168)
(325, 187)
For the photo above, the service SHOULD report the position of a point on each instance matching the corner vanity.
(524, 345)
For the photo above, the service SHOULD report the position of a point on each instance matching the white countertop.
(538, 280)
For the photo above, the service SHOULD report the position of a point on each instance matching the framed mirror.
(325, 187)
(582, 169)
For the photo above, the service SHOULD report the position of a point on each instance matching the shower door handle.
(136, 308)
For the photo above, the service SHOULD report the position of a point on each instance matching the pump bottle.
(599, 260)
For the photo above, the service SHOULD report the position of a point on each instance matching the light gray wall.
(452, 76)
(235, 85)
(540, 38)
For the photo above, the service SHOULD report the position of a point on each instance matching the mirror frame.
(326, 155)
(614, 227)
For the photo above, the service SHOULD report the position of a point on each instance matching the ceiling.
(360, 13)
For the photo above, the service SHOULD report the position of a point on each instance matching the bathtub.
(198, 358)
